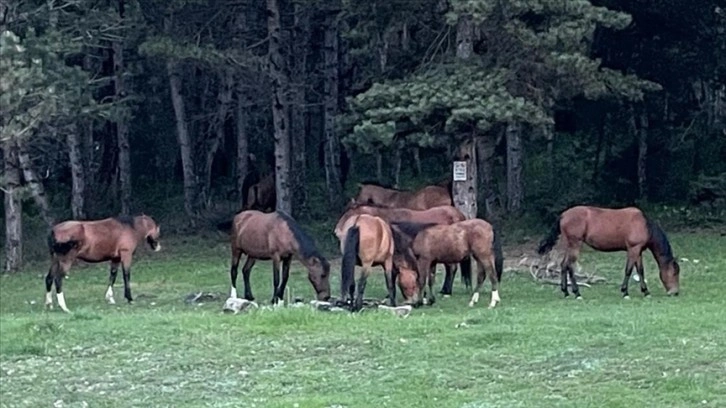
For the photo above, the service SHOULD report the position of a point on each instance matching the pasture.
(535, 349)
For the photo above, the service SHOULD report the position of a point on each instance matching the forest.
(166, 107)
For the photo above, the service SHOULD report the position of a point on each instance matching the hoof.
(626, 297)
(250, 298)
(471, 304)
(111, 301)
(579, 297)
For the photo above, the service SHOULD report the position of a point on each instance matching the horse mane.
(127, 220)
(412, 228)
(402, 245)
(378, 184)
(658, 241)
(308, 249)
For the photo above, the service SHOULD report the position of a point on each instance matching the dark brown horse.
(367, 241)
(441, 215)
(609, 230)
(262, 195)
(385, 196)
(110, 239)
(277, 237)
(456, 243)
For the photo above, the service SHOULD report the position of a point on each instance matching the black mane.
(402, 245)
(308, 249)
(412, 228)
(127, 220)
(658, 242)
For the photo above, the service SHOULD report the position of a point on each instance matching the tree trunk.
(417, 161)
(122, 127)
(13, 210)
(642, 154)
(485, 162)
(301, 41)
(379, 166)
(224, 99)
(397, 167)
(514, 167)
(330, 106)
(36, 187)
(78, 174)
(242, 141)
(185, 143)
(279, 104)
(464, 192)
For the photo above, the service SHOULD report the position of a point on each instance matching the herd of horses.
(407, 233)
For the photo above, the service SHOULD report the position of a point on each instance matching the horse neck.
(660, 259)
(140, 229)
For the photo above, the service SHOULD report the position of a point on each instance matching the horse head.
(151, 232)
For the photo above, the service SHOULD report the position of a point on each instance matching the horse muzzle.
(673, 292)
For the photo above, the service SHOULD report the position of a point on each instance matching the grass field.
(535, 349)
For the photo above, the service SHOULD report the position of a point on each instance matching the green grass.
(535, 349)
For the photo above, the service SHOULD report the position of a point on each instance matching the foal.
(111, 239)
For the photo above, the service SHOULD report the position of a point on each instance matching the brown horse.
(441, 215)
(610, 230)
(458, 242)
(111, 239)
(367, 241)
(277, 237)
(385, 196)
(262, 195)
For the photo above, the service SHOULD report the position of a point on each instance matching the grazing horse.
(277, 237)
(610, 230)
(442, 215)
(367, 241)
(111, 239)
(262, 195)
(385, 196)
(458, 242)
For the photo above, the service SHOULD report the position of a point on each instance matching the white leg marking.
(474, 299)
(62, 302)
(109, 296)
(233, 292)
(49, 300)
(495, 299)
(158, 248)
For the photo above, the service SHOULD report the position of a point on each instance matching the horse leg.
(361, 289)
(111, 281)
(285, 276)
(447, 287)
(246, 269)
(126, 267)
(421, 276)
(494, 280)
(234, 264)
(480, 277)
(275, 279)
(52, 271)
(629, 263)
(641, 274)
(61, 272)
(390, 274)
(432, 278)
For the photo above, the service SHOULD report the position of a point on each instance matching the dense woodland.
(166, 106)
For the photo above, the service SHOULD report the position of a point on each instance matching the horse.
(444, 215)
(367, 241)
(110, 239)
(455, 243)
(611, 230)
(275, 236)
(262, 195)
(385, 196)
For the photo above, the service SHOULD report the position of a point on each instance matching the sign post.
(460, 171)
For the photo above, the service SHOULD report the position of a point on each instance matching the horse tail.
(498, 253)
(550, 240)
(350, 253)
(60, 248)
(658, 241)
(465, 265)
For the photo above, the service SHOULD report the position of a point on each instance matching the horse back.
(605, 229)
(262, 235)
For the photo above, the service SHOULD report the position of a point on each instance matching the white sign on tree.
(460, 171)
